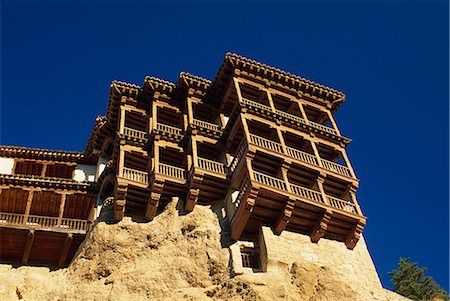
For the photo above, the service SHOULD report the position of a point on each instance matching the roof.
(41, 154)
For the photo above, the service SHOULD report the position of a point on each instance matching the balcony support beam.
(152, 206)
(321, 226)
(354, 235)
(28, 246)
(191, 199)
(284, 217)
(243, 213)
(65, 250)
(120, 199)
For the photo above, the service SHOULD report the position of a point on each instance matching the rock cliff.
(177, 256)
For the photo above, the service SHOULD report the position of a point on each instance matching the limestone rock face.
(175, 257)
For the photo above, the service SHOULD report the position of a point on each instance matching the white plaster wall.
(6, 165)
(85, 172)
(101, 164)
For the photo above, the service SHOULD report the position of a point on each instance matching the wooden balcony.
(207, 128)
(172, 171)
(132, 133)
(266, 143)
(237, 158)
(256, 106)
(135, 175)
(337, 168)
(305, 193)
(44, 222)
(212, 166)
(300, 155)
(171, 132)
(265, 110)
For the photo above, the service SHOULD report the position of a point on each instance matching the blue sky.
(389, 58)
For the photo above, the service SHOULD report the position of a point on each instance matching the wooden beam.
(284, 217)
(152, 206)
(28, 206)
(321, 226)
(120, 199)
(28, 245)
(354, 235)
(65, 250)
(191, 199)
(61, 208)
(243, 213)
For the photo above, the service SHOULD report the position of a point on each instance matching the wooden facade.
(45, 207)
(260, 141)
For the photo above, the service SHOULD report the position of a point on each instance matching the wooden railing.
(171, 171)
(135, 175)
(269, 180)
(266, 143)
(307, 193)
(303, 156)
(338, 168)
(290, 116)
(240, 152)
(211, 165)
(322, 127)
(256, 104)
(11, 218)
(341, 204)
(207, 125)
(134, 133)
(37, 221)
(169, 129)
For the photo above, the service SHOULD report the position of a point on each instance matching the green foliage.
(410, 281)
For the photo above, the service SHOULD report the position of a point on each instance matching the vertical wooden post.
(269, 97)
(122, 119)
(154, 115)
(316, 152)
(352, 191)
(65, 250)
(284, 171)
(282, 142)
(156, 157)
(347, 162)
(302, 109)
(44, 169)
(333, 122)
(190, 110)
(194, 151)
(61, 208)
(121, 163)
(28, 206)
(28, 246)
(320, 181)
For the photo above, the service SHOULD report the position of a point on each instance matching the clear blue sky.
(389, 58)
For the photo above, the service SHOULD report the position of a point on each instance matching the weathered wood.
(28, 246)
(65, 250)
(284, 217)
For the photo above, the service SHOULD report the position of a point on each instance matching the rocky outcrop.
(177, 256)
